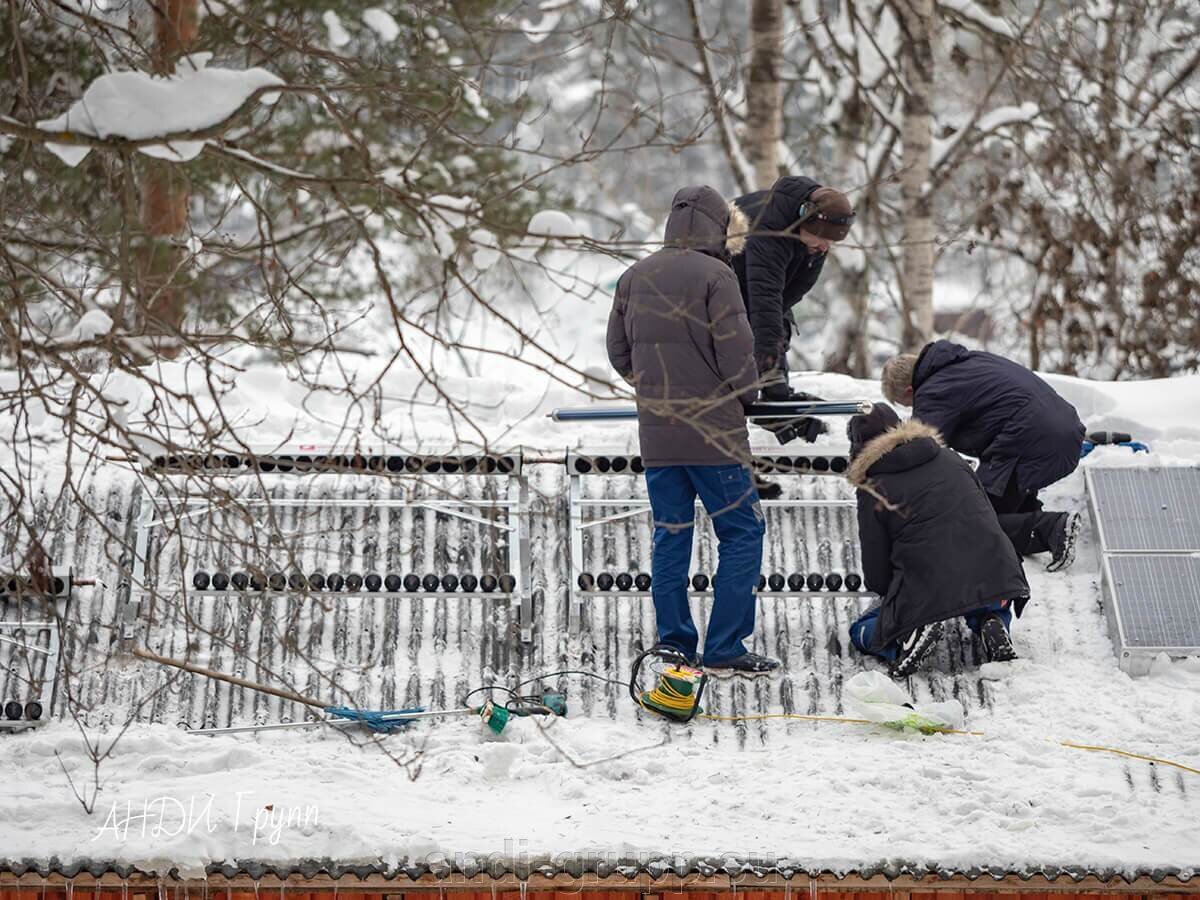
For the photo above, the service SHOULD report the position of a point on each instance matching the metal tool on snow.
(788, 409)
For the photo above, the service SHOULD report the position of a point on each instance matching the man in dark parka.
(1024, 434)
(931, 546)
(678, 333)
(793, 225)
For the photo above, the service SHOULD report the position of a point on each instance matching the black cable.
(515, 696)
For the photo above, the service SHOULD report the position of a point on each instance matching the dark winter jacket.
(997, 410)
(775, 272)
(678, 333)
(939, 551)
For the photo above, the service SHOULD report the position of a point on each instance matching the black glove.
(767, 490)
(777, 392)
(807, 427)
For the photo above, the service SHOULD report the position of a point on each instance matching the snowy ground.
(610, 785)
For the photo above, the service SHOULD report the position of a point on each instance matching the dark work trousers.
(728, 495)
(1021, 516)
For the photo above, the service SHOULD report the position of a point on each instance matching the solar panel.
(1157, 600)
(1147, 509)
(1148, 523)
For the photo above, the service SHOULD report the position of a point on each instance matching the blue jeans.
(862, 629)
(729, 496)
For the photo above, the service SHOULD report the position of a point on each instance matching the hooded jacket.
(932, 548)
(678, 332)
(997, 410)
(775, 271)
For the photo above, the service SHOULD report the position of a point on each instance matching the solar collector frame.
(1147, 521)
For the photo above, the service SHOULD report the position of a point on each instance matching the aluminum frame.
(515, 524)
(50, 608)
(1133, 660)
(636, 506)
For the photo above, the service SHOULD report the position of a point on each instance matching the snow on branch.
(135, 106)
(944, 150)
(972, 13)
(743, 172)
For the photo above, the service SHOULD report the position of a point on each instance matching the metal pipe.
(780, 410)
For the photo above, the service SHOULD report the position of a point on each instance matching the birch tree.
(764, 91)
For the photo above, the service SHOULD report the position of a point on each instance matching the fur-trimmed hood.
(879, 446)
(736, 230)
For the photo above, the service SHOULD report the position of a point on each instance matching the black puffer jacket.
(939, 552)
(678, 333)
(775, 272)
(997, 410)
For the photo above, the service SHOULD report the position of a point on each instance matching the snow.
(137, 106)
(832, 795)
(381, 22)
(551, 15)
(91, 325)
(990, 121)
(972, 12)
(552, 223)
(338, 35)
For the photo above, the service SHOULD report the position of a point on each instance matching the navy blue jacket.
(774, 273)
(997, 410)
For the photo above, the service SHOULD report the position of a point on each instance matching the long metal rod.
(335, 722)
(784, 410)
(228, 679)
(802, 595)
(29, 647)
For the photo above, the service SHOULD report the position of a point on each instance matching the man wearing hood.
(1023, 433)
(679, 334)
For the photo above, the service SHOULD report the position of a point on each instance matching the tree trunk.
(164, 187)
(764, 92)
(850, 354)
(916, 289)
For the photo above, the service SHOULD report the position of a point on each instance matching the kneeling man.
(931, 546)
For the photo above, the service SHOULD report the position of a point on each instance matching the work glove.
(767, 490)
(787, 430)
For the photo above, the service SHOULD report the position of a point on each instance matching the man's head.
(897, 380)
(827, 219)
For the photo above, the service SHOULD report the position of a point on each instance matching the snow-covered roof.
(608, 789)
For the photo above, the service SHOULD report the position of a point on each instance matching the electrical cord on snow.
(518, 700)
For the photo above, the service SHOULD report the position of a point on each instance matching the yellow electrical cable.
(664, 694)
(843, 719)
(1153, 759)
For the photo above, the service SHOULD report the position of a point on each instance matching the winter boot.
(917, 645)
(1062, 542)
(997, 644)
(747, 664)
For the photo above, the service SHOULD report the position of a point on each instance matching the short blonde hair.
(898, 376)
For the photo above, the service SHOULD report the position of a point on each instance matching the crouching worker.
(678, 333)
(931, 546)
(1024, 434)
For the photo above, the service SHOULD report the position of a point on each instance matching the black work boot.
(997, 644)
(917, 645)
(1062, 542)
(746, 664)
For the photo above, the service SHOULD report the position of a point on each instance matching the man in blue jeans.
(678, 333)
